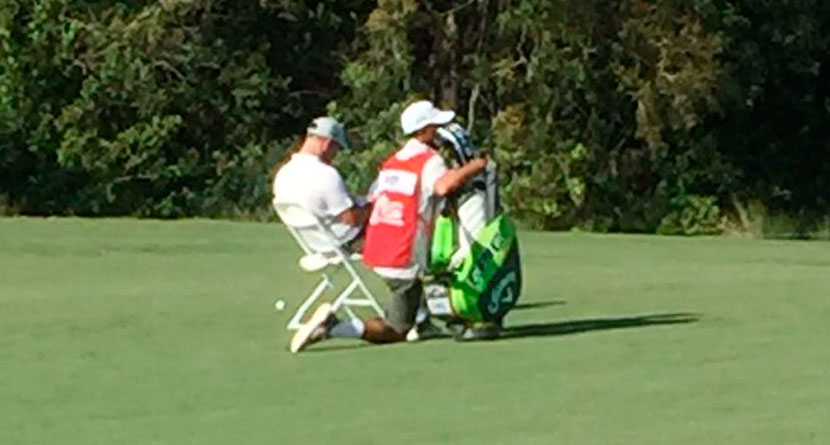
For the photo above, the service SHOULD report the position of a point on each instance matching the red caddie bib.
(390, 234)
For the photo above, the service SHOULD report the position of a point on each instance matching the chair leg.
(296, 321)
(346, 301)
(350, 312)
(343, 301)
(370, 297)
(343, 298)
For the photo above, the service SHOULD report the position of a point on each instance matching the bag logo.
(502, 293)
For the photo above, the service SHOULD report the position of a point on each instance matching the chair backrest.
(311, 234)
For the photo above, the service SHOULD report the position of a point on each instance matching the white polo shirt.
(432, 171)
(307, 181)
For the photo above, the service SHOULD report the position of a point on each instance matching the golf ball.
(279, 305)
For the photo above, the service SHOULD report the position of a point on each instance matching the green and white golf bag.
(475, 262)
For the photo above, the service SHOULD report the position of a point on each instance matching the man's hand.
(355, 216)
(455, 178)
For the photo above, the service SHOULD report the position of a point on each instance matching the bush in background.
(629, 115)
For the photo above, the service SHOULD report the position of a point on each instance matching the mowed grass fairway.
(133, 332)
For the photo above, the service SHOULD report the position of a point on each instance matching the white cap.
(422, 114)
(329, 127)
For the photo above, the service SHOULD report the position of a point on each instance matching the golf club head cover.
(461, 143)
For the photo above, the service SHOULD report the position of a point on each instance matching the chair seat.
(316, 262)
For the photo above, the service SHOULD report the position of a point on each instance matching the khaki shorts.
(406, 298)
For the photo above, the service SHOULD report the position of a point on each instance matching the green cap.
(329, 127)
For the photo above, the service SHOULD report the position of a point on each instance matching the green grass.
(134, 332)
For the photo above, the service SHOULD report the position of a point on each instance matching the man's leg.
(406, 297)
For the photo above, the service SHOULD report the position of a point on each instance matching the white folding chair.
(322, 253)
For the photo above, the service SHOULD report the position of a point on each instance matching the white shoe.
(424, 331)
(485, 331)
(312, 331)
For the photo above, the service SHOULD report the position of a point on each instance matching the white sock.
(348, 329)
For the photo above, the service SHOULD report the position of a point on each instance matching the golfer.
(397, 239)
(308, 179)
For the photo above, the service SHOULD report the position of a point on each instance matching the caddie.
(405, 198)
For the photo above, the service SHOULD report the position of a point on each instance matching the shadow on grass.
(596, 324)
(337, 347)
(538, 305)
(548, 329)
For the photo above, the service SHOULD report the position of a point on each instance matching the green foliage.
(632, 115)
(164, 109)
(693, 215)
(580, 103)
(125, 129)
(776, 103)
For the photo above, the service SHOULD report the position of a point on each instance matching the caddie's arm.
(455, 178)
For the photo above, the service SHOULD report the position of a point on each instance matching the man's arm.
(355, 216)
(455, 178)
(342, 206)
